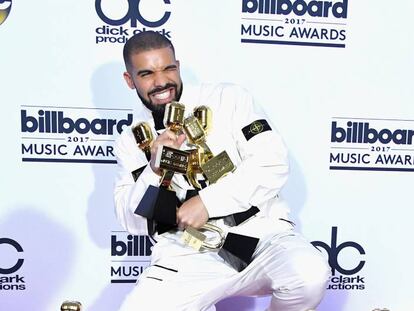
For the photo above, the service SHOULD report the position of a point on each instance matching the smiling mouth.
(163, 96)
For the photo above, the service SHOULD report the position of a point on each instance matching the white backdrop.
(56, 211)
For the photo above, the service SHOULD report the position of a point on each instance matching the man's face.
(155, 74)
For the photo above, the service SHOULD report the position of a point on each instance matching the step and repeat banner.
(335, 77)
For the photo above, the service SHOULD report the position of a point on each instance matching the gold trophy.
(174, 116)
(196, 136)
(143, 136)
(194, 168)
(213, 167)
(159, 204)
(217, 167)
(71, 306)
(201, 160)
(204, 115)
(198, 156)
(237, 250)
(169, 159)
(197, 240)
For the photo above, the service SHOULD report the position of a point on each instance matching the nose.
(160, 79)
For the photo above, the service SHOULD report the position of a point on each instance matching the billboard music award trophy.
(143, 136)
(71, 306)
(235, 249)
(159, 204)
(198, 155)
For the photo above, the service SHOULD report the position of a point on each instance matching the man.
(180, 278)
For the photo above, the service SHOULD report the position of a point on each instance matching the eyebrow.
(173, 66)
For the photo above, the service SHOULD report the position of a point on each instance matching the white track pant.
(286, 266)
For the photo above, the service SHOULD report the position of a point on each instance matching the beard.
(160, 109)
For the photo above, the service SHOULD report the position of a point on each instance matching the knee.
(301, 283)
(312, 271)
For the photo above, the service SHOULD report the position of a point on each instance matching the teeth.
(163, 95)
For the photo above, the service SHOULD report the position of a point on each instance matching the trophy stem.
(166, 179)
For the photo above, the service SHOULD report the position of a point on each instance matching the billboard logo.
(71, 134)
(8, 282)
(137, 16)
(57, 122)
(362, 133)
(134, 246)
(294, 22)
(298, 7)
(130, 254)
(371, 144)
(347, 278)
(5, 7)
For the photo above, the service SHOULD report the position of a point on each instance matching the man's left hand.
(192, 213)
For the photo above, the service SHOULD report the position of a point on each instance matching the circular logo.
(5, 7)
(256, 127)
(133, 15)
(19, 262)
(333, 251)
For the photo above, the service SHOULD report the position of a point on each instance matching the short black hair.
(144, 41)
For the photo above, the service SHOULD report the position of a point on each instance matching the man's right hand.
(167, 138)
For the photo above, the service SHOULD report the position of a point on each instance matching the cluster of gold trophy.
(159, 204)
(198, 160)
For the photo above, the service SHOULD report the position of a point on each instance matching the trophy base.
(238, 250)
(161, 228)
(159, 204)
(238, 218)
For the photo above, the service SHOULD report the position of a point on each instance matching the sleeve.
(263, 167)
(128, 192)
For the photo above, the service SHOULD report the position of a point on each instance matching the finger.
(159, 144)
(181, 227)
(179, 216)
(180, 139)
(184, 221)
(168, 134)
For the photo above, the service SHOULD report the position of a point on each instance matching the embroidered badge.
(256, 127)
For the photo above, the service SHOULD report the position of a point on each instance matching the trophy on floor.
(71, 306)
(159, 204)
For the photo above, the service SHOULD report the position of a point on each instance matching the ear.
(128, 80)
(178, 64)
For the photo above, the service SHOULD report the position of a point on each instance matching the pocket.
(160, 273)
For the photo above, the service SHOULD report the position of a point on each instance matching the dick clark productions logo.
(8, 281)
(348, 278)
(138, 16)
(132, 15)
